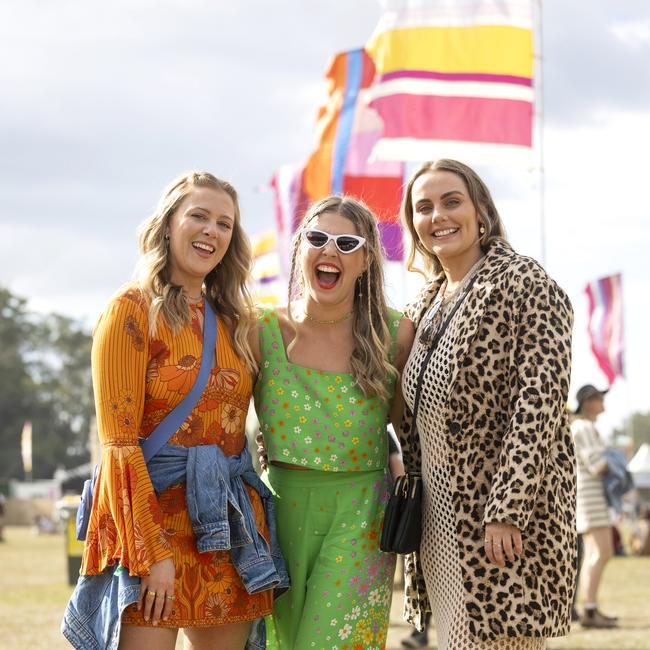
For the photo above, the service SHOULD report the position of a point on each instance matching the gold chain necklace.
(327, 321)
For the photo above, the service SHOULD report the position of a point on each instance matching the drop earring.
(482, 229)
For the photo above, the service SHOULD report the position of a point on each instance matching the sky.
(104, 103)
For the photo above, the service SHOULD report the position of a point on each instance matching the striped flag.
(605, 297)
(454, 79)
(290, 205)
(267, 275)
(347, 131)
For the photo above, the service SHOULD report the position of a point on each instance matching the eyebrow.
(193, 208)
(442, 196)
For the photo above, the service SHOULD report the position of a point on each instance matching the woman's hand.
(261, 451)
(157, 591)
(502, 542)
(396, 465)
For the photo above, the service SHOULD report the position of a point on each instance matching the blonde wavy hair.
(481, 199)
(226, 286)
(370, 362)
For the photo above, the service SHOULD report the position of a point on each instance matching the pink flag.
(606, 324)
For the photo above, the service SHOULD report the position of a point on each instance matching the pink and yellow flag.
(605, 297)
(347, 130)
(454, 79)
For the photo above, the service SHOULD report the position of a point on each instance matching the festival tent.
(639, 467)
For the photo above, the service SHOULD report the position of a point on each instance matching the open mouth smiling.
(327, 275)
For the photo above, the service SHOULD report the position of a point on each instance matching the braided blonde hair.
(370, 361)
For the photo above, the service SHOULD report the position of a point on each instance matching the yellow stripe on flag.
(490, 49)
(264, 243)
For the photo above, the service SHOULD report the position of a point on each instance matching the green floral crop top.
(315, 418)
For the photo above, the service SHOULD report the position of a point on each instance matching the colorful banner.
(290, 205)
(347, 130)
(605, 327)
(454, 79)
(267, 274)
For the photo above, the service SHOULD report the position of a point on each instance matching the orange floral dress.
(137, 380)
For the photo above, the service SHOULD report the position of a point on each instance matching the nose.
(210, 228)
(330, 247)
(436, 215)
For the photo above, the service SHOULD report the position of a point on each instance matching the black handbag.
(402, 530)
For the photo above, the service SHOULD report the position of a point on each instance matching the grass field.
(33, 594)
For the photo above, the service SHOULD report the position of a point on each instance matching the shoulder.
(271, 317)
(393, 320)
(129, 302)
(523, 278)
(394, 316)
(404, 339)
(268, 321)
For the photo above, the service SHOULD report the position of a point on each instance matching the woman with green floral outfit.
(325, 390)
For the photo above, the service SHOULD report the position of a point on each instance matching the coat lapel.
(474, 306)
(472, 313)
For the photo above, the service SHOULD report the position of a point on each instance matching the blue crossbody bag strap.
(175, 418)
(172, 422)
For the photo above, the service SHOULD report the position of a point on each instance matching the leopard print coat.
(508, 436)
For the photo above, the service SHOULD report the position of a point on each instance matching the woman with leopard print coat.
(497, 560)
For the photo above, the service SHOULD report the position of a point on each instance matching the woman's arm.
(125, 523)
(541, 357)
(405, 336)
(589, 448)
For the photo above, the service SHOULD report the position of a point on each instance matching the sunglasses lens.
(346, 244)
(316, 239)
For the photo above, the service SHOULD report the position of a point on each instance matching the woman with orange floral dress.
(146, 354)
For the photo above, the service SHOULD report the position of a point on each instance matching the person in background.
(593, 519)
(329, 363)
(491, 362)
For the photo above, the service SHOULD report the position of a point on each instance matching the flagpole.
(540, 134)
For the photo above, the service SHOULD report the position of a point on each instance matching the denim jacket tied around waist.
(222, 519)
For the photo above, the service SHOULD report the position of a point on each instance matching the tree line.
(45, 379)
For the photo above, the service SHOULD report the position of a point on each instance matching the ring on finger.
(170, 597)
(151, 594)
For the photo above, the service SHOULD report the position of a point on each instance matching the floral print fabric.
(137, 381)
(317, 419)
(341, 583)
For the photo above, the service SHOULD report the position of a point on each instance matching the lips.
(327, 276)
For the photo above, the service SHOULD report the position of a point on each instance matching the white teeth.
(326, 268)
(202, 246)
(443, 233)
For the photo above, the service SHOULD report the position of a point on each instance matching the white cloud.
(104, 103)
(633, 34)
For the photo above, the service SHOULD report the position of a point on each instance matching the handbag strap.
(434, 343)
(175, 418)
